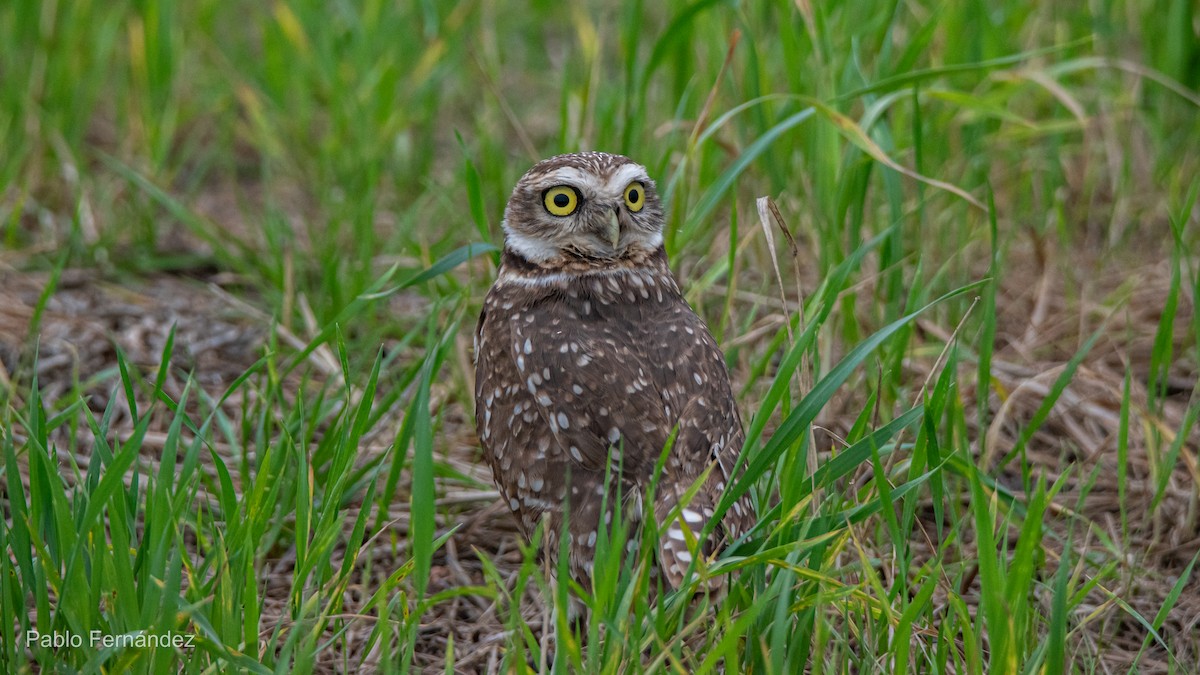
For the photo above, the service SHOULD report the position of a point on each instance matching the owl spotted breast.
(588, 359)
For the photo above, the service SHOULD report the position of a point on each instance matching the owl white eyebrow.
(625, 175)
(566, 174)
(614, 186)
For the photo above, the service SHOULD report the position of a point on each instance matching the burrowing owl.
(588, 359)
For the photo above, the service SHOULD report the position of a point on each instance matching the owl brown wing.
(695, 384)
(516, 439)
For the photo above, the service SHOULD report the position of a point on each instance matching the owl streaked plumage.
(588, 359)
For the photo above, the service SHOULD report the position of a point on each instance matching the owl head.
(589, 206)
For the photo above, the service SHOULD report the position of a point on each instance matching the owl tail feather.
(679, 544)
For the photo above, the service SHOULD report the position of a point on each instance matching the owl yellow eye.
(635, 196)
(561, 200)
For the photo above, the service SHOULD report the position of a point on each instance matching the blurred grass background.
(317, 168)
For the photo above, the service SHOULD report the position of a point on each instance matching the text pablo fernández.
(100, 640)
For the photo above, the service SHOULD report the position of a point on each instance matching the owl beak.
(612, 229)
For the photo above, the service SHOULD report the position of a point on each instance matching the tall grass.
(365, 152)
